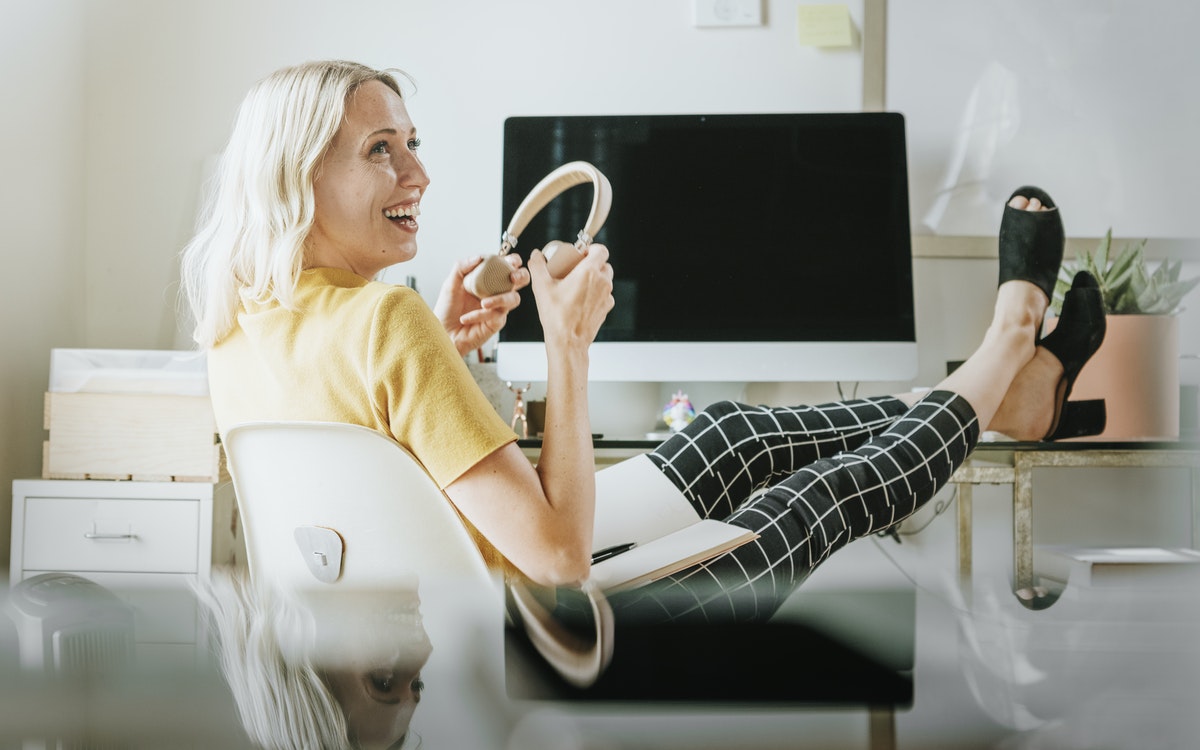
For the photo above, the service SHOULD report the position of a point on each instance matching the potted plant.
(1136, 369)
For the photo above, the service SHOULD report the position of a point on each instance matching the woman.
(320, 189)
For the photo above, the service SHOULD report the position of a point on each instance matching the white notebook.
(636, 504)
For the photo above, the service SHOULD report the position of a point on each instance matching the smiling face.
(370, 648)
(379, 701)
(368, 188)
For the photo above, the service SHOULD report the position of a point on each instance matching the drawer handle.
(94, 535)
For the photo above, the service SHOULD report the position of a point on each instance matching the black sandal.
(1031, 242)
(1078, 335)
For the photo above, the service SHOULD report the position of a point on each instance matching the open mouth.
(406, 215)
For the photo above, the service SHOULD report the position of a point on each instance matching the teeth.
(411, 211)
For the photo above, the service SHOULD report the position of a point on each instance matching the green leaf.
(1174, 292)
(1127, 283)
(1127, 258)
(1150, 300)
(1101, 252)
(1172, 269)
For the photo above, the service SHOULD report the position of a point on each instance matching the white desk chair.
(337, 504)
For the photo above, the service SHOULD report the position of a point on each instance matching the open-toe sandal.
(1078, 335)
(1031, 242)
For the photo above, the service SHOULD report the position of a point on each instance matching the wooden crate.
(143, 437)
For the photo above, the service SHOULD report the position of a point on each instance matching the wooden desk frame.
(1013, 463)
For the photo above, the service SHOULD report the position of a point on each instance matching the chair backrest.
(329, 503)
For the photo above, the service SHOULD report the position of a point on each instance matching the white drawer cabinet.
(111, 534)
(146, 541)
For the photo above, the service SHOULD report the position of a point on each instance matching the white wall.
(1064, 94)
(42, 148)
(111, 108)
(119, 103)
(162, 102)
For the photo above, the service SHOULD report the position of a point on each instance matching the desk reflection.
(321, 668)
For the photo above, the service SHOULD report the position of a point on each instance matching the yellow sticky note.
(826, 26)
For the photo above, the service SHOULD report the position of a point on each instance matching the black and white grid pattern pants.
(808, 480)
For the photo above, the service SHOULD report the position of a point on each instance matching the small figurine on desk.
(678, 412)
(519, 408)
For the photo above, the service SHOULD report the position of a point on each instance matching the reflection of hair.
(280, 697)
(251, 238)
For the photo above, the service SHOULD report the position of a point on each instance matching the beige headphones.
(492, 275)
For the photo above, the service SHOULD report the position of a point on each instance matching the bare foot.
(1021, 203)
(1027, 411)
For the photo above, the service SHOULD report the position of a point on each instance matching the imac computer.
(750, 248)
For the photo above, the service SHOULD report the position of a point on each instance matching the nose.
(410, 172)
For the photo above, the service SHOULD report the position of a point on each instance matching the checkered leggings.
(809, 480)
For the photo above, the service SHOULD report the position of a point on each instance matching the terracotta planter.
(1136, 371)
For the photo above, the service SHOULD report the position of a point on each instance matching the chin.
(403, 256)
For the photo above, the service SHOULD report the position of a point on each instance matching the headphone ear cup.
(492, 276)
(561, 257)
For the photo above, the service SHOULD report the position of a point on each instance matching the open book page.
(636, 503)
(668, 554)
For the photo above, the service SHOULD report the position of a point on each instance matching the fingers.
(597, 253)
(572, 308)
(595, 258)
(519, 275)
(466, 265)
(538, 273)
(493, 319)
(504, 302)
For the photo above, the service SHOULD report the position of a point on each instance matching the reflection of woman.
(320, 189)
(340, 670)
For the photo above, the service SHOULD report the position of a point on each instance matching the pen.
(613, 551)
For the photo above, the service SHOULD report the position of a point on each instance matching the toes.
(1021, 203)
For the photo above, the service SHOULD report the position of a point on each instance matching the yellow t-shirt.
(361, 352)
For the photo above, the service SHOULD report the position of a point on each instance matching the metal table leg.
(965, 537)
(1022, 523)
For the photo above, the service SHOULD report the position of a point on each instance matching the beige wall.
(43, 132)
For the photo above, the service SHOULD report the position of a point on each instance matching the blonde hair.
(281, 699)
(250, 242)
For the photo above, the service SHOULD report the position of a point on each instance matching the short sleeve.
(424, 391)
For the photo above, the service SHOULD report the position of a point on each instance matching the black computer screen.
(768, 227)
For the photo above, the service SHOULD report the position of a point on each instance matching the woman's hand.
(471, 321)
(542, 519)
(573, 308)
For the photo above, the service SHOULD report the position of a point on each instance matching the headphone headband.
(493, 275)
(554, 184)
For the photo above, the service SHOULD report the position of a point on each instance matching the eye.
(384, 681)
(381, 148)
(418, 687)
(414, 144)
